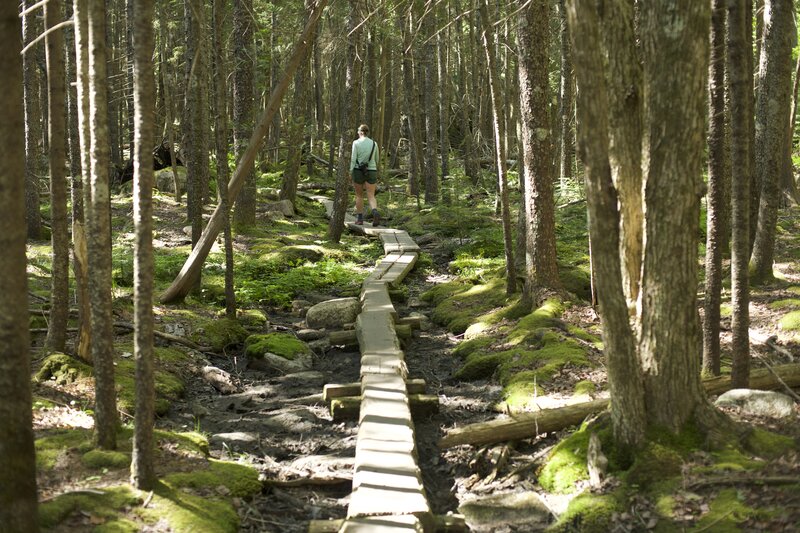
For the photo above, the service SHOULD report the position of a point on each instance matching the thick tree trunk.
(34, 154)
(740, 88)
(673, 155)
(17, 462)
(59, 294)
(624, 77)
(143, 475)
(774, 101)
(624, 373)
(500, 149)
(349, 117)
(191, 269)
(533, 37)
(99, 233)
(243, 113)
(715, 214)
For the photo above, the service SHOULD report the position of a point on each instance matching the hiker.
(364, 170)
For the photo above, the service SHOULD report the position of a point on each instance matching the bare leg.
(360, 196)
(373, 203)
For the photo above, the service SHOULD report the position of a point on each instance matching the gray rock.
(284, 207)
(275, 364)
(320, 346)
(237, 437)
(300, 308)
(333, 314)
(312, 378)
(298, 421)
(311, 334)
(166, 183)
(491, 513)
(758, 402)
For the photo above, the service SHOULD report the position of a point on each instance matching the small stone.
(758, 402)
(306, 334)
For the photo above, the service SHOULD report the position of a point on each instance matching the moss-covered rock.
(252, 318)
(471, 346)
(566, 465)
(790, 321)
(289, 256)
(465, 307)
(50, 448)
(588, 513)
(219, 333)
(103, 504)
(556, 353)
(786, 303)
(768, 445)
(282, 344)
(443, 291)
(188, 441)
(577, 281)
(63, 369)
(479, 365)
(585, 387)
(169, 387)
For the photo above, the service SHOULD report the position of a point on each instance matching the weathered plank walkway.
(388, 494)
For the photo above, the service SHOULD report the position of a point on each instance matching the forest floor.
(278, 425)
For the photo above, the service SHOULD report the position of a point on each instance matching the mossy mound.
(63, 369)
(51, 447)
(219, 333)
(790, 321)
(252, 318)
(289, 256)
(240, 480)
(442, 292)
(191, 441)
(555, 353)
(585, 387)
(577, 281)
(726, 513)
(105, 504)
(545, 316)
(465, 307)
(99, 459)
(479, 365)
(471, 346)
(786, 303)
(282, 344)
(169, 387)
(566, 465)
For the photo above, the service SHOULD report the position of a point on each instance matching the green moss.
(42, 403)
(121, 525)
(566, 464)
(585, 387)
(584, 335)
(99, 459)
(725, 310)
(188, 440)
(294, 255)
(189, 513)
(49, 448)
(479, 366)
(466, 307)
(169, 387)
(219, 333)
(655, 463)
(63, 369)
(794, 289)
(471, 346)
(726, 513)
(241, 480)
(520, 394)
(729, 458)
(543, 317)
(577, 281)
(554, 355)
(253, 318)
(588, 513)
(105, 503)
(442, 292)
(767, 444)
(787, 303)
(790, 321)
(282, 344)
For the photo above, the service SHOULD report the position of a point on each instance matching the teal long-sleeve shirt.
(360, 152)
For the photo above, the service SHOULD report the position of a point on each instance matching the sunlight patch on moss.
(726, 512)
(99, 459)
(219, 333)
(283, 344)
(589, 513)
(787, 303)
(50, 447)
(241, 480)
(108, 504)
(585, 387)
(62, 369)
(790, 321)
(471, 346)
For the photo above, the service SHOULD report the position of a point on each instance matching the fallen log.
(528, 425)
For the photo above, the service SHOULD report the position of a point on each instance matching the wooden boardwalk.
(388, 494)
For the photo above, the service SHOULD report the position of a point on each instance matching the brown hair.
(364, 129)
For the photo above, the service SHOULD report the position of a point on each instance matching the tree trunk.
(243, 112)
(410, 108)
(80, 256)
(624, 79)
(143, 475)
(18, 500)
(500, 149)
(740, 87)
(444, 99)
(349, 108)
(190, 272)
(430, 87)
(566, 104)
(99, 233)
(169, 117)
(774, 101)
(625, 384)
(717, 155)
(59, 294)
(533, 37)
(221, 140)
(34, 154)
(673, 155)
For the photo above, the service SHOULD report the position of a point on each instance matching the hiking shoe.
(360, 221)
(376, 218)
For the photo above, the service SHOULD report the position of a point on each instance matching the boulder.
(278, 353)
(284, 207)
(166, 183)
(758, 402)
(333, 314)
(235, 438)
(499, 511)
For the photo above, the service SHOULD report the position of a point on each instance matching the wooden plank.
(401, 267)
(334, 390)
(376, 333)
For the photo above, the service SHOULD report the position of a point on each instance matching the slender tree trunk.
(625, 88)
(371, 79)
(752, 76)
(169, 116)
(99, 233)
(740, 87)
(274, 140)
(59, 299)
(624, 373)
(715, 234)
(319, 88)
(341, 199)
(18, 500)
(408, 103)
(143, 475)
(430, 90)
(533, 38)
(80, 255)
(34, 154)
(774, 100)
(500, 149)
(243, 112)
(221, 141)
(566, 104)
(444, 100)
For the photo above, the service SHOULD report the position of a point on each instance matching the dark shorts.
(370, 176)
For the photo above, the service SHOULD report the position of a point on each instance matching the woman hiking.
(364, 170)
